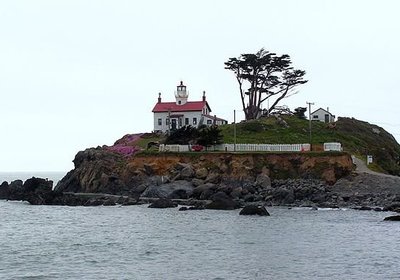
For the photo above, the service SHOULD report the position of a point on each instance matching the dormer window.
(179, 102)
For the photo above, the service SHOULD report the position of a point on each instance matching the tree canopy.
(262, 76)
(203, 135)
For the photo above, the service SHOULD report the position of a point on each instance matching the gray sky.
(78, 73)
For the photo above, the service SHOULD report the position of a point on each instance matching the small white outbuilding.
(322, 115)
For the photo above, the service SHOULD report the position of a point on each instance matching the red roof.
(173, 107)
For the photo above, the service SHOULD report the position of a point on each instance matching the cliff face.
(100, 170)
(240, 166)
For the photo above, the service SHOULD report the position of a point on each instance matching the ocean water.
(136, 242)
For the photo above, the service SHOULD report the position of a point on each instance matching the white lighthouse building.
(169, 116)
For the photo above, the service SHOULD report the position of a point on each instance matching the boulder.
(263, 181)
(201, 173)
(94, 202)
(187, 172)
(4, 190)
(178, 194)
(395, 207)
(224, 188)
(138, 189)
(129, 202)
(254, 210)
(37, 191)
(109, 202)
(207, 188)
(237, 192)
(166, 190)
(284, 195)
(221, 201)
(392, 218)
(213, 178)
(197, 182)
(163, 203)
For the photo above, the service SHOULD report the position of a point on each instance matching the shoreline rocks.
(362, 192)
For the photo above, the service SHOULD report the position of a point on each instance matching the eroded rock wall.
(97, 170)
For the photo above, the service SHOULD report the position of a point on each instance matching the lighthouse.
(181, 94)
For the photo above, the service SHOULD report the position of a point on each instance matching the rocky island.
(127, 174)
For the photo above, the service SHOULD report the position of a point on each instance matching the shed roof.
(326, 111)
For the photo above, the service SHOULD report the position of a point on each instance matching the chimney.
(159, 97)
(204, 95)
(327, 108)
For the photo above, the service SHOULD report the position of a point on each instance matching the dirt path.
(367, 181)
(361, 167)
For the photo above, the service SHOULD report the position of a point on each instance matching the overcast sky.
(78, 73)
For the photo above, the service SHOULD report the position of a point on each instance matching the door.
(173, 124)
(326, 118)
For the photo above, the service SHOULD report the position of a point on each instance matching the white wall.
(319, 115)
(163, 116)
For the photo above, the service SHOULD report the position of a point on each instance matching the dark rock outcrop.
(181, 188)
(36, 191)
(394, 207)
(254, 210)
(204, 191)
(392, 218)
(221, 201)
(163, 203)
(96, 171)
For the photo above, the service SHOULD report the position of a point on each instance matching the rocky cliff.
(100, 170)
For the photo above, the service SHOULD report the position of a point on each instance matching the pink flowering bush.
(126, 145)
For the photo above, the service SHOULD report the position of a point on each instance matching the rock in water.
(254, 210)
(392, 218)
(163, 203)
(221, 201)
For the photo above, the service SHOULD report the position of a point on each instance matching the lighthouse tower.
(181, 95)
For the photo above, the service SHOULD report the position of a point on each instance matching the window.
(186, 121)
(315, 117)
(194, 121)
(167, 121)
(179, 102)
(159, 121)
(209, 121)
(180, 122)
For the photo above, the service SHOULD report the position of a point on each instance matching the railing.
(334, 146)
(173, 148)
(242, 148)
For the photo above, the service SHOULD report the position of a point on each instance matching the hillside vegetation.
(357, 137)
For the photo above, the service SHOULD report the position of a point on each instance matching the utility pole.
(234, 130)
(309, 119)
(169, 121)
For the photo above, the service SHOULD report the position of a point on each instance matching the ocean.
(136, 242)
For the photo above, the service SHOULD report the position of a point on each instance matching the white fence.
(253, 148)
(334, 146)
(241, 148)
